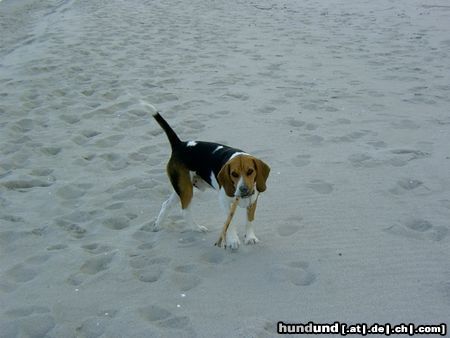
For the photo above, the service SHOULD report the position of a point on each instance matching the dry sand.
(347, 101)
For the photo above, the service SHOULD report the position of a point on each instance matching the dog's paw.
(156, 227)
(250, 238)
(232, 241)
(193, 226)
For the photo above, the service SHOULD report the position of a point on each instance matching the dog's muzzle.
(245, 192)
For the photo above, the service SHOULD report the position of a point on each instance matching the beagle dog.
(236, 174)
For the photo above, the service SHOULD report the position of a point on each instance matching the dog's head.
(242, 174)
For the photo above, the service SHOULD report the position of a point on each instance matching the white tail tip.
(152, 109)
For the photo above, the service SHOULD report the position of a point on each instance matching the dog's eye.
(235, 174)
(249, 172)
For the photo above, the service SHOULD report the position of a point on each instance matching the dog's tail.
(171, 135)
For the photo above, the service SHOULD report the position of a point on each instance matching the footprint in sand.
(343, 121)
(301, 160)
(266, 109)
(149, 275)
(235, 96)
(23, 126)
(351, 137)
(418, 228)
(51, 151)
(20, 273)
(364, 161)
(26, 311)
(41, 172)
(314, 140)
(187, 268)
(25, 184)
(70, 119)
(405, 124)
(154, 313)
(188, 238)
(82, 216)
(71, 222)
(26, 271)
(85, 136)
(71, 191)
(92, 327)
(293, 122)
(320, 187)
(117, 223)
(377, 144)
(96, 325)
(7, 287)
(288, 230)
(76, 279)
(297, 273)
(33, 321)
(96, 248)
(72, 229)
(138, 157)
(291, 226)
(194, 124)
(257, 327)
(163, 318)
(38, 259)
(5, 171)
(177, 322)
(405, 185)
(185, 281)
(115, 161)
(57, 247)
(401, 157)
(220, 113)
(160, 98)
(89, 133)
(311, 126)
(145, 235)
(148, 150)
(213, 256)
(146, 245)
(410, 154)
(97, 264)
(148, 269)
(115, 206)
(109, 142)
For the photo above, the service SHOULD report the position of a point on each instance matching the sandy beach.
(348, 102)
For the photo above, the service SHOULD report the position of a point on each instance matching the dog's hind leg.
(166, 207)
(187, 214)
(182, 183)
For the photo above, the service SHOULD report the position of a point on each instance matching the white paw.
(201, 228)
(250, 238)
(232, 241)
(193, 226)
(156, 226)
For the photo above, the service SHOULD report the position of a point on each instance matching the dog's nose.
(243, 190)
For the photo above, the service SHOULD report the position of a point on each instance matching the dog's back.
(203, 158)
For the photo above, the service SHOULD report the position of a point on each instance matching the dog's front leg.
(228, 237)
(250, 237)
(232, 239)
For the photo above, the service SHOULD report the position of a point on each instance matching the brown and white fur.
(233, 172)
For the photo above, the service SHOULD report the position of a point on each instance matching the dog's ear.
(262, 172)
(225, 181)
